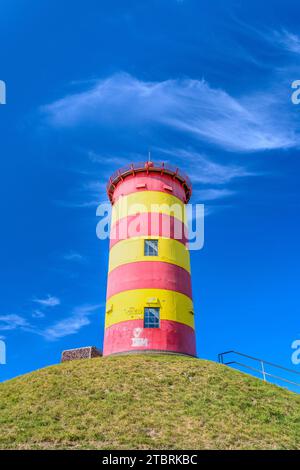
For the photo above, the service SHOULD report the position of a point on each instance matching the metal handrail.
(262, 370)
(156, 167)
(162, 168)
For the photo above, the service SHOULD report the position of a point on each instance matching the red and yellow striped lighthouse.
(149, 297)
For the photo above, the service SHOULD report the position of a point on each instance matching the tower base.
(131, 337)
(158, 352)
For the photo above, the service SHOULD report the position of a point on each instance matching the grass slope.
(146, 402)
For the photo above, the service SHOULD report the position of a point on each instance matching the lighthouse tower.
(149, 297)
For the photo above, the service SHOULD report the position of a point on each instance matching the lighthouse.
(149, 307)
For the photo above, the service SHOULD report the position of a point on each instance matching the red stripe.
(131, 336)
(150, 182)
(148, 224)
(149, 275)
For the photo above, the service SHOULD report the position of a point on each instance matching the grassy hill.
(146, 402)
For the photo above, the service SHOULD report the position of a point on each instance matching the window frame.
(147, 252)
(148, 324)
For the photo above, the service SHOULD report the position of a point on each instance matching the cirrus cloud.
(49, 301)
(70, 325)
(193, 107)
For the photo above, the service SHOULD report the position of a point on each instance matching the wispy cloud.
(267, 37)
(212, 194)
(49, 301)
(71, 324)
(38, 314)
(95, 187)
(96, 157)
(287, 40)
(12, 322)
(88, 195)
(203, 170)
(74, 256)
(244, 124)
(78, 204)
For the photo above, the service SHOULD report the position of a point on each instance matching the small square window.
(151, 248)
(151, 317)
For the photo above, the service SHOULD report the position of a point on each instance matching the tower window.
(151, 317)
(151, 248)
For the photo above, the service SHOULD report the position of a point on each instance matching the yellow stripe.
(148, 201)
(129, 305)
(132, 250)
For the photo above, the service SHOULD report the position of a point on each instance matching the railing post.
(263, 371)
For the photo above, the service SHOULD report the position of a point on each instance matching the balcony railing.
(137, 167)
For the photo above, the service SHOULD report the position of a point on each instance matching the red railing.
(137, 167)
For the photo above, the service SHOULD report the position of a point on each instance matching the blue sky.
(92, 85)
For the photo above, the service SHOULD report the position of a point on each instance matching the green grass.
(146, 402)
